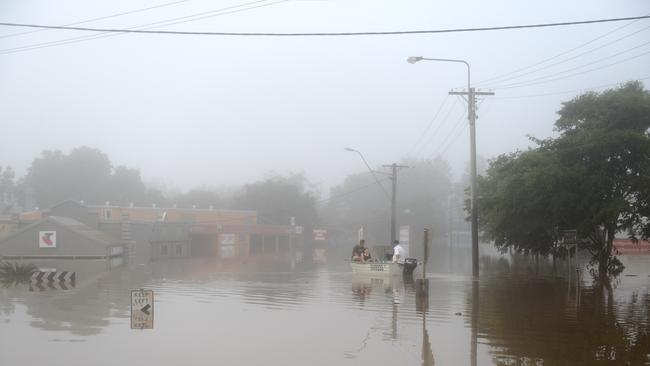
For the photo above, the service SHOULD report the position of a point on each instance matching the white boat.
(382, 269)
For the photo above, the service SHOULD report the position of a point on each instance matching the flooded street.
(206, 313)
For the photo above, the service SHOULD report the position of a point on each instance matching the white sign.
(47, 239)
(298, 230)
(142, 309)
(227, 239)
(320, 234)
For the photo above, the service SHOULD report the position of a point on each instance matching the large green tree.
(594, 178)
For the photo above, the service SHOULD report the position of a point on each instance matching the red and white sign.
(47, 239)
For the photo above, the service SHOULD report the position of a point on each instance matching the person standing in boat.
(357, 251)
(399, 253)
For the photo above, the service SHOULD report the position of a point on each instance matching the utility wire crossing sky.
(380, 33)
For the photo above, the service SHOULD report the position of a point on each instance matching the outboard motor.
(409, 266)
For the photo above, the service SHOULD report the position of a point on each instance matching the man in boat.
(399, 254)
(357, 251)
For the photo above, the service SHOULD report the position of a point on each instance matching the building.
(154, 233)
(56, 237)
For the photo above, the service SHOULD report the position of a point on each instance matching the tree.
(594, 178)
(276, 199)
(422, 197)
(126, 186)
(7, 188)
(201, 197)
(85, 174)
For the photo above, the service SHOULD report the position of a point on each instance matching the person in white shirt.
(399, 253)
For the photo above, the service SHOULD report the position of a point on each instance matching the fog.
(207, 110)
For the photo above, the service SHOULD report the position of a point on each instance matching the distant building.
(56, 237)
(153, 233)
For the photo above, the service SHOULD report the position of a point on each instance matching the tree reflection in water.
(529, 319)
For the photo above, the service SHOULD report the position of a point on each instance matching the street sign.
(320, 234)
(142, 309)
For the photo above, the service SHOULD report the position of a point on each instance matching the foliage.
(201, 197)
(16, 273)
(7, 187)
(279, 198)
(594, 178)
(85, 174)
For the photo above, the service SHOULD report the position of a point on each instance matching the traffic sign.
(142, 309)
(320, 234)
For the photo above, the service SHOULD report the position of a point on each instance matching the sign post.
(142, 309)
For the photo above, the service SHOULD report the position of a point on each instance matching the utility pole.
(471, 94)
(393, 204)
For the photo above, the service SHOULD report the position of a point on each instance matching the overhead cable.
(557, 55)
(324, 34)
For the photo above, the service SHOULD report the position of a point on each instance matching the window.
(163, 250)
(108, 214)
(179, 250)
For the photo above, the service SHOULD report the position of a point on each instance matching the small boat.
(383, 268)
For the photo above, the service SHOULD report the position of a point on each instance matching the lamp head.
(414, 59)
(349, 149)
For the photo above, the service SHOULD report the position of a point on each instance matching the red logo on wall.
(47, 239)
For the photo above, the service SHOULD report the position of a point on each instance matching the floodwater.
(212, 313)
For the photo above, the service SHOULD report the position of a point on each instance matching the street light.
(471, 116)
(369, 169)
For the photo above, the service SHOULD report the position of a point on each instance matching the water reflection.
(555, 320)
(518, 313)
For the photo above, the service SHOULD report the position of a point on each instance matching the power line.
(573, 68)
(462, 114)
(158, 24)
(99, 18)
(574, 74)
(557, 55)
(454, 132)
(568, 91)
(435, 116)
(502, 79)
(435, 132)
(317, 34)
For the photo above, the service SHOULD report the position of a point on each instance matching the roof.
(256, 229)
(73, 225)
(83, 229)
(183, 209)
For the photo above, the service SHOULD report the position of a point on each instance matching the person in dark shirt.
(366, 255)
(357, 251)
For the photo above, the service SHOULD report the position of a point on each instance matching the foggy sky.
(192, 110)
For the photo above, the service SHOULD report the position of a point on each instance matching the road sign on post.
(142, 309)
(320, 234)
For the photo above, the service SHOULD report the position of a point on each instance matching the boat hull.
(383, 269)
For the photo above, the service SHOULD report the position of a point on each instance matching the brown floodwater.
(212, 313)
